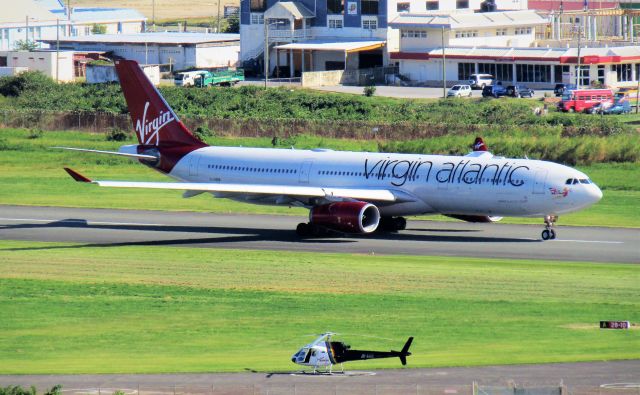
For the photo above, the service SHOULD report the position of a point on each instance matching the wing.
(259, 190)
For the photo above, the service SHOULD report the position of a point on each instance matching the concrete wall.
(11, 71)
(106, 73)
(44, 62)
(227, 56)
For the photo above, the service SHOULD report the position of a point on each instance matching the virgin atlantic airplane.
(346, 192)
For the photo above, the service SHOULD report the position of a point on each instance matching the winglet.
(77, 176)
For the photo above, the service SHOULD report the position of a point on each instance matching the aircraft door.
(194, 161)
(305, 169)
(540, 181)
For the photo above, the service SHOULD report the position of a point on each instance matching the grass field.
(69, 308)
(35, 176)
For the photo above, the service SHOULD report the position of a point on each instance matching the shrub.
(202, 132)
(369, 91)
(35, 133)
(117, 134)
(17, 390)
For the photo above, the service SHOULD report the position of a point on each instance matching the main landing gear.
(548, 233)
(392, 224)
(310, 229)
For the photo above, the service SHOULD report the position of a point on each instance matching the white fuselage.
(476, 184)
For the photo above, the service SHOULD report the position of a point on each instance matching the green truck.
(221, 77)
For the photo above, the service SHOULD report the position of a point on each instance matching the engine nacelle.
(348, 217)
(476, 218)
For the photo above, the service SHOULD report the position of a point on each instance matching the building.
(37, 20)
(178, 50)
(333, 34)
(55, 65)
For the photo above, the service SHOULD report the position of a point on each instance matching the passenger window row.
(252, 169)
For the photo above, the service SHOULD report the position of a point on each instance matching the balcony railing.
(289, 35)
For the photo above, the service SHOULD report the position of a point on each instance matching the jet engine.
(476, 218)
(348, 217)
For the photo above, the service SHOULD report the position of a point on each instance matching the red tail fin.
(479, 145)
(154, 121)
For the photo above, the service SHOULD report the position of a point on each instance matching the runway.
(579, 378)
(101, 227)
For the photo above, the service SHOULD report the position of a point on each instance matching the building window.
(433, 5)
(601, 72)
(533, 73)
(335, 23)
(637, 71)
(369, 7)
(465, 70)
(462, 4)
(523, 30)
(623, 72)
(335, 6)
(258, 6)
(501, 32)
(504, 72)
(466, 33)
(403, 7)
(487, 68)
(558, 71)
(257, 19)
(369, 23)
(413, 33)
(585, 78)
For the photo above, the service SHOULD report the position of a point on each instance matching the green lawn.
(33, 175)
(74, 309)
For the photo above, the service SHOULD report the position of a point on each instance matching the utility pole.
(579, 70)
(444, 70)
(57, 50)
(638, 91)
(153, 14)
(266, 52)
(218, 31)
(26, 30)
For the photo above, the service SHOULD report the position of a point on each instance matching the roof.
(286, 9)
(344, 46)
(153, 38)
(50, 4)
(101, 15)
(568, 5)
(17, 11)
(469, 20)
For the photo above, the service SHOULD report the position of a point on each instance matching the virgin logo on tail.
(148, 130)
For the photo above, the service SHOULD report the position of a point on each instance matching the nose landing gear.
(548, 233)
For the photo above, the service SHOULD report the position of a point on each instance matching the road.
(586, 377)
(204, 230)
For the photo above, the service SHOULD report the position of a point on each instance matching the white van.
(188, 78)
(479, 81)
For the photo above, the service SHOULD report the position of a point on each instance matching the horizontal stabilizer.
(93, 151)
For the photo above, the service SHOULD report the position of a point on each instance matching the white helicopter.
(323, 352)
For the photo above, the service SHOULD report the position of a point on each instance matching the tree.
(25, 45)
(233, 24)
(98, 29)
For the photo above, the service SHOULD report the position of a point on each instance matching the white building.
(55, 65)
(35, 20)
(334, 34)
(180, 50)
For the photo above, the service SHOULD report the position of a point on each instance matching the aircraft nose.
(596, 193)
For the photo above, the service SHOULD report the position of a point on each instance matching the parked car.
(621, 106)
(494, 90)
(519, 91)
(479, 81)
(561, 88)
(459, 91)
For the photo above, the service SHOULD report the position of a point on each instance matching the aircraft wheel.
(546, 235)
(401, 223)
(552, 235)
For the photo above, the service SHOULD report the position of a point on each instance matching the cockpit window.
(569, 181)
(585, 181)
(575, 181)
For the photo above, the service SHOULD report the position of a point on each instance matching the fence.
(336, 386)
(100, 122)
